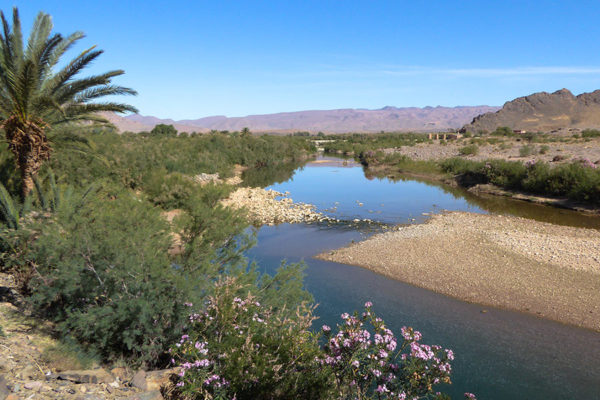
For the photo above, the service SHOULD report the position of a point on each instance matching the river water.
(499, 354)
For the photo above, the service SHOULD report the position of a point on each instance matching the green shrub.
(235, 345)
(468, 150)
(544, 149)
(167, 190)
(590, 133)
(104, 276)
(526, 150)
(503, 131)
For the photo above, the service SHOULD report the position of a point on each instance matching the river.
(500, 354)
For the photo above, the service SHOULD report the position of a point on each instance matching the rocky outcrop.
(544, 112)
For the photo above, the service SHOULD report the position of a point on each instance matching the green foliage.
(468, 150)
(9, 210)
(134, 161)
(164, 130)
(577, 181)
(503, 131)
(544, 149)
(236, 346)
(32, 86)
(526, 151)
(358, 143)
(250, 349)
(590, 133)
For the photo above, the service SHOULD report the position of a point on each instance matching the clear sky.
(189, 59)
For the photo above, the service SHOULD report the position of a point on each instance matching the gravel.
(515, 263)
(269, 207)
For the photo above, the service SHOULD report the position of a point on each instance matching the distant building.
(519, 131)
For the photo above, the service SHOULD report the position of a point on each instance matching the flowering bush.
(235, 348)
(376, 364)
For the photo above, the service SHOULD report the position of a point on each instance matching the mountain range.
(387, 119)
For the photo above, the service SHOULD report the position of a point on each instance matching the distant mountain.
(543, 112)
(331, 121)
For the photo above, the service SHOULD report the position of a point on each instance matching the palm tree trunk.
(29, 169)
(28, 143)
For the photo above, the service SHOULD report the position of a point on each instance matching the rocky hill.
(331, 121)
(543, 112)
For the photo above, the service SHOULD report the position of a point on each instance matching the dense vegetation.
(578, 180)
(354, 144)
(92, 245)
(94, 253)
(135, 261)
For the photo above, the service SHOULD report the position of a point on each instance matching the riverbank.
(514, 263)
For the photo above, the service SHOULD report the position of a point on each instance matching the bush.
(590, 133)
(234, 347)
(104, 276)
(526, 151)
(544, 149)
(468, 150)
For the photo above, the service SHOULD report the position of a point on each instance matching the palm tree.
(35, 98)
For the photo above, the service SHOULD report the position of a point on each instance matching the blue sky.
(189, 59)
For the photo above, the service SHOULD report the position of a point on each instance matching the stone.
(153, 395)
(156, 380)
(87, 376)
(33, 385)
(12, 396)
(120, 373)
(139, 380)
(4, 391)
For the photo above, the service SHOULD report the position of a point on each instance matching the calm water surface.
(499, 354)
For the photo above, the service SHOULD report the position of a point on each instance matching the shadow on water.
(500, 354)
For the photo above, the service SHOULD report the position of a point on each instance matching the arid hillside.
(544, 112)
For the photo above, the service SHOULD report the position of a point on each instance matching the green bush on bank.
(577, 181)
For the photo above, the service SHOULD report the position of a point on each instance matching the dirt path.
(515, 263)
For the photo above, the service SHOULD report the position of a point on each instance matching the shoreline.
(392, 172)
(514, 263)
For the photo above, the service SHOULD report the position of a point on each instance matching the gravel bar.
(515, 263)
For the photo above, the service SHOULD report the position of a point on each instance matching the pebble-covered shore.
(548, 270)
(269, 207)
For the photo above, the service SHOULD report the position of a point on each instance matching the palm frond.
(8, 208)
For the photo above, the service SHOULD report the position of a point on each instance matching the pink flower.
(326, 328)
(368, 304)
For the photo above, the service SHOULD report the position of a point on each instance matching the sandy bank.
(547, 270)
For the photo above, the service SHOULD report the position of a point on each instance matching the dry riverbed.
(515, 263)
